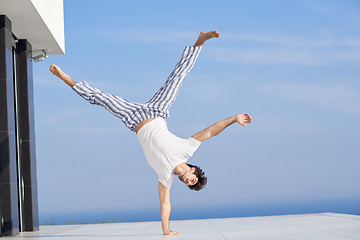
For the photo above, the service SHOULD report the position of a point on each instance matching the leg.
(60, 74)
(117, 106)
(163, 99)
(166, 95)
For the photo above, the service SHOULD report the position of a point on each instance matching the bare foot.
(203, 37)
(60, 74)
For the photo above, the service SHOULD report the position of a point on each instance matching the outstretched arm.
(165, 209)
(218, 127)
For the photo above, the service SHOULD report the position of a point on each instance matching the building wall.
(18, 199)
(26, 28)
(8, 168)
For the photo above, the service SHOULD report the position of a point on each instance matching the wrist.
(236, 118)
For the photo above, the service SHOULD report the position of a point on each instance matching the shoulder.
(167, 180)
(193, 142)
(191, 145)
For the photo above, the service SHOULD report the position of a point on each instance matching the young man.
(166, 153)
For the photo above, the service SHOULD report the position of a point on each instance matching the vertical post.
(9, 222)
(26, 138)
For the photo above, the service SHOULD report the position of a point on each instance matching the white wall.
(52, 13)
(41, 22)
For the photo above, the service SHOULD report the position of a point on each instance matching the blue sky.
(293, 65)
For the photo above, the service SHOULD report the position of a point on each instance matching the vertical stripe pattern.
(158, 106)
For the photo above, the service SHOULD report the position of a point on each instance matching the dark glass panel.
(4, 157)
(31, 118)
(3, 106)
(10, 91)
(33, 164)
(8, 158)
(9, 210)
(23, 117)
(12, 158)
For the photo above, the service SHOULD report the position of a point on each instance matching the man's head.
(195, 178)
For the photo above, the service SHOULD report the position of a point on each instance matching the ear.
(192, 170)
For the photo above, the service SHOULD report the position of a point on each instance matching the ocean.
(186, 213)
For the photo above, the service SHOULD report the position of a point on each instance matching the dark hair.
(202, 179)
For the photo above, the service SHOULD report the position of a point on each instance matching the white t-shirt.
(163, 150)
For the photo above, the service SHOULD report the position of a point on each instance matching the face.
(189, 178)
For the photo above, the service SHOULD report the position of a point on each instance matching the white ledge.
(41, 22)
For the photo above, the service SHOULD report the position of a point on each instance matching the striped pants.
(158, 106)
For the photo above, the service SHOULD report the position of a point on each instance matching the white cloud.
(139, 35)
(200, 91)
(265, 123)
(72, 121)
(58, 117)
(325, 39)
(49, 80)
(352, 42)
(91, 130)
(319, 8)
(286, 55)
(319, 49)
(345, 97)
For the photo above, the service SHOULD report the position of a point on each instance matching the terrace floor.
(324, 226)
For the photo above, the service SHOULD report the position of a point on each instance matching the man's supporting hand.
(243, 118)
(165, 209)
(171, 233)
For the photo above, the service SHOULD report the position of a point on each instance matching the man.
(166, 153)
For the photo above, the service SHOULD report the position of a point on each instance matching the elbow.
(212, 133)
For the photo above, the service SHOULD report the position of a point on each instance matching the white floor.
(324, 226)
